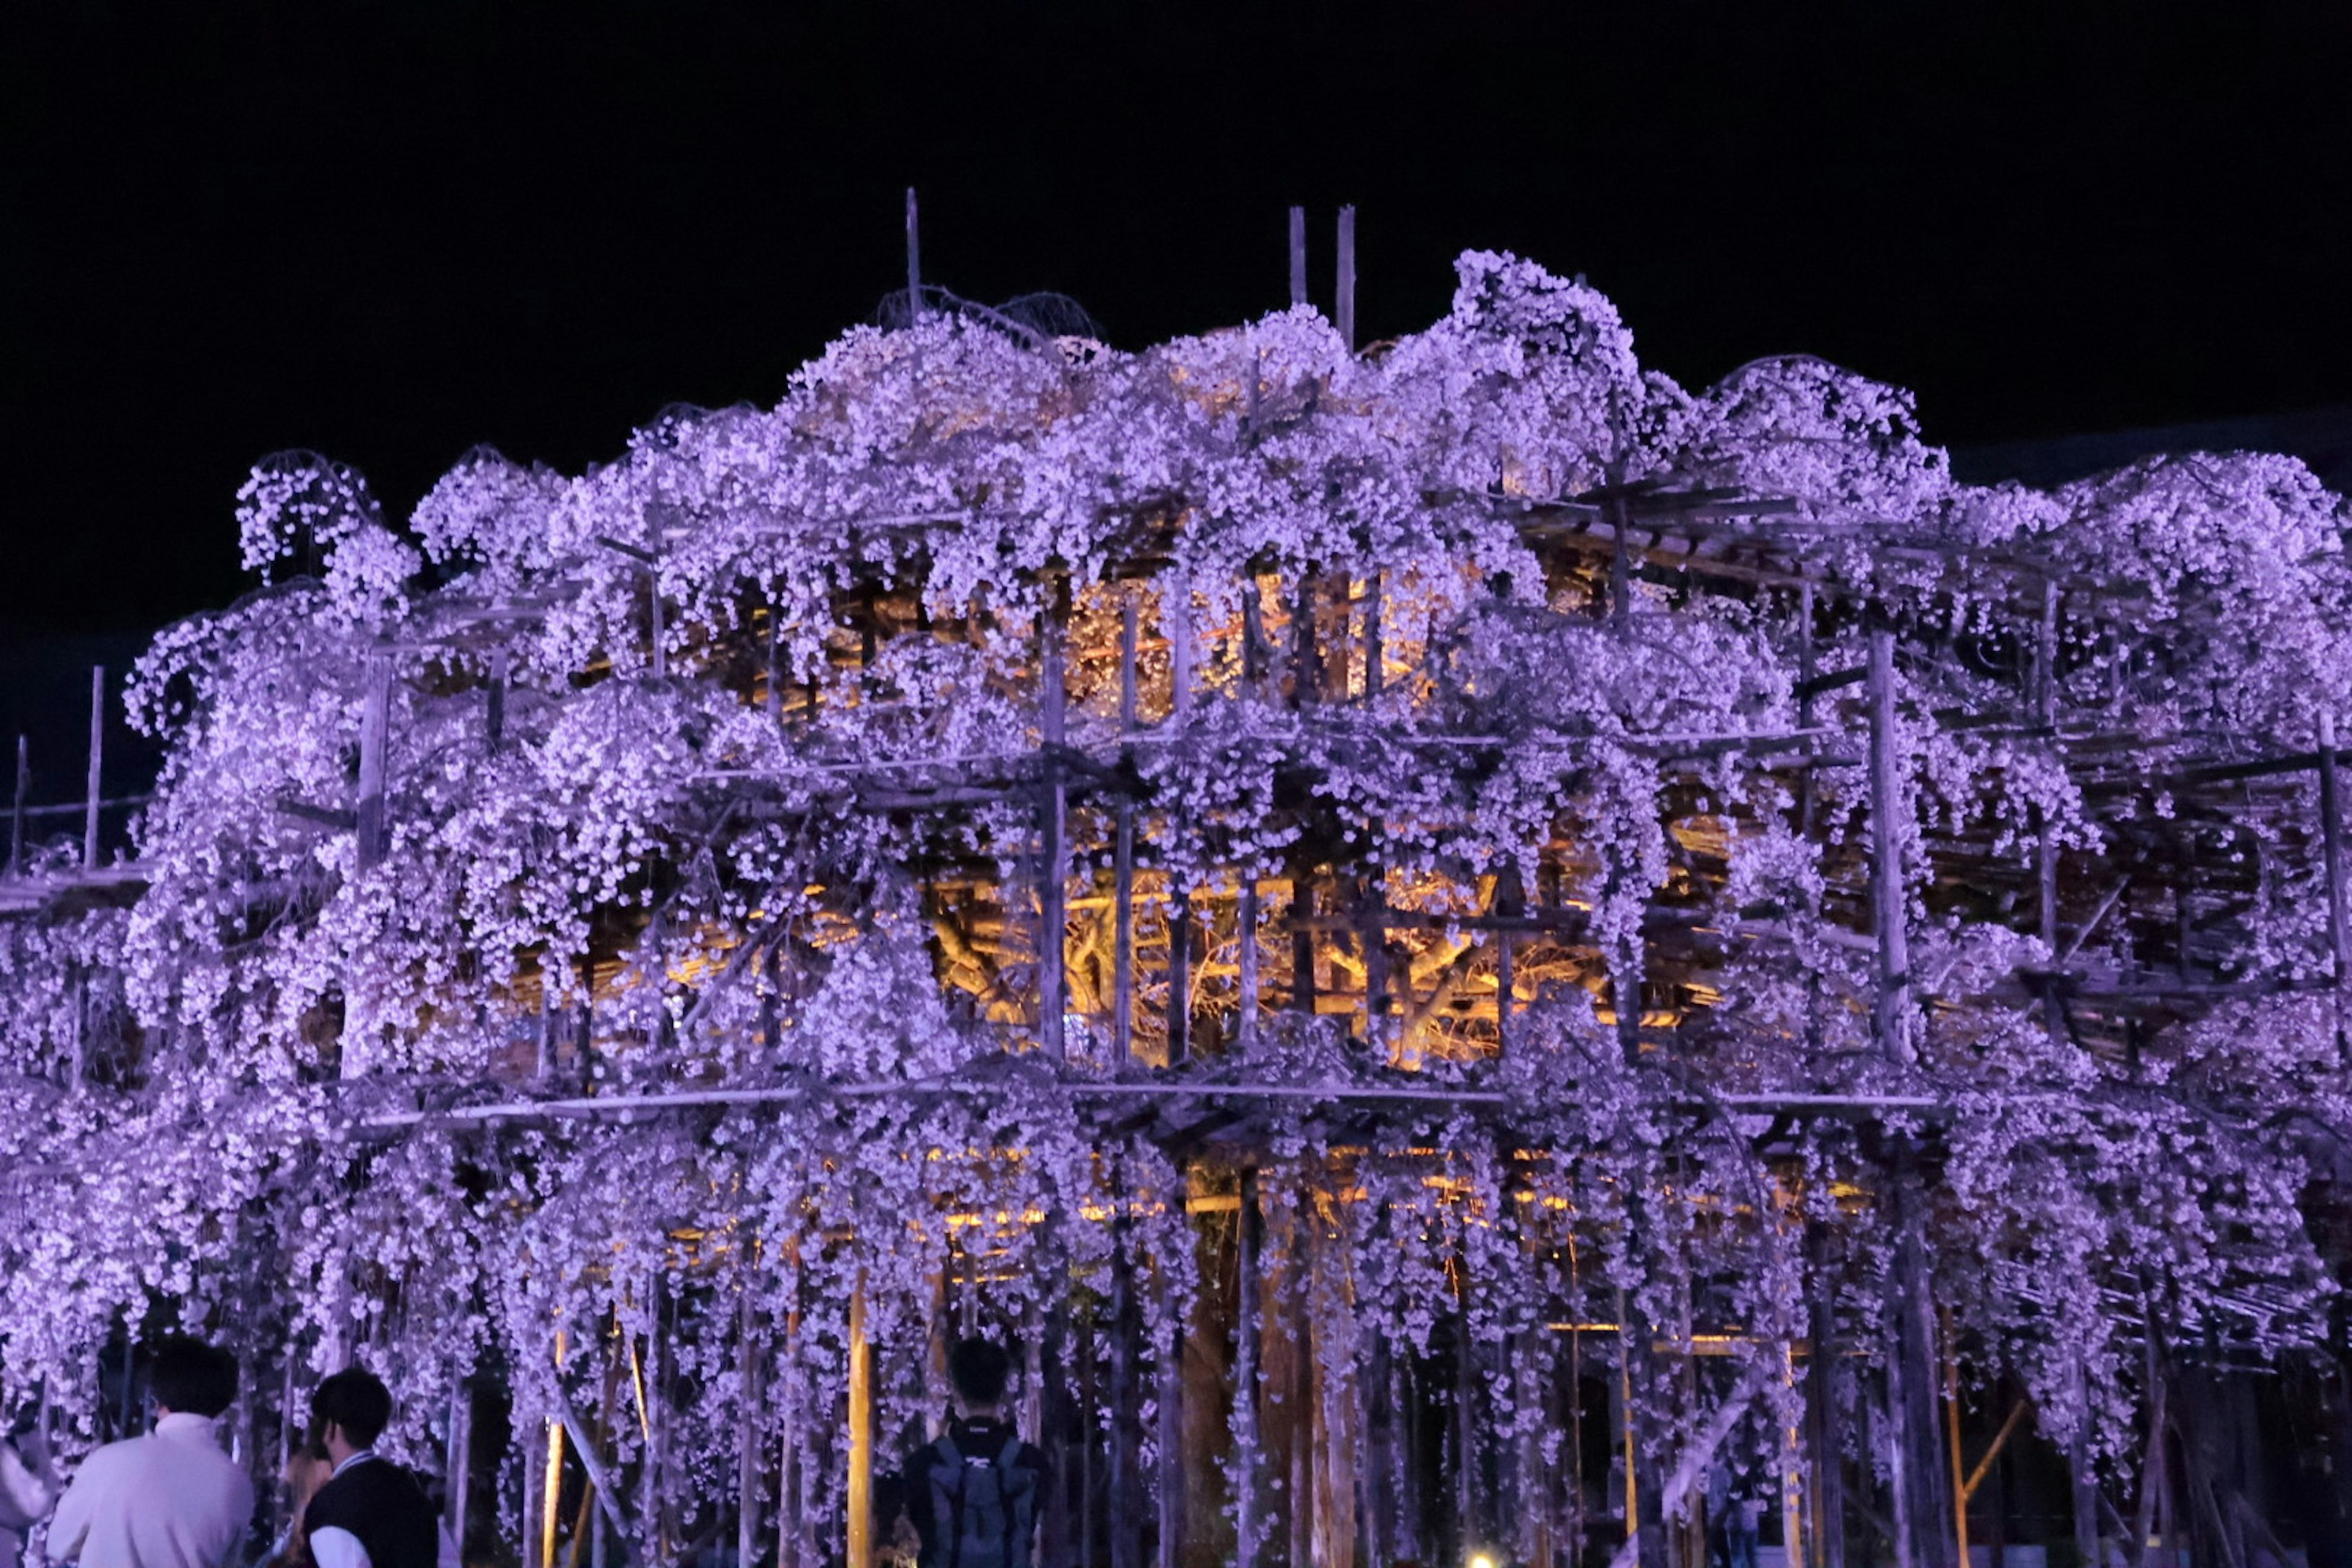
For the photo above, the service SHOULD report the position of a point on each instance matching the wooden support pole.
(551, 1505)
(458, 1461)
(97, 766)
(1176, 622)
(494, 703)
(1052, 807)
(1245, 935)
(1347, 294)
(1174, 1497)
(914, 262)
(1952, 1435)
(1179, 1012)
(2046, 852)
(1249, 1521)
(17, 818)
(1620, 565)
(1302, 943)
(375, 721)
(1297, 256)
(861, 1416)
(1122, 947)
(1375, 646)
(1889, 809)
(1305, 659)
(748, 1466)
(1127, 1496)
(1822, 1429)
(2331, 820)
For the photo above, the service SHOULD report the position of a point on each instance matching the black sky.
(391, 231)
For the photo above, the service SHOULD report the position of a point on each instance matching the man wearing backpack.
(972, 1495)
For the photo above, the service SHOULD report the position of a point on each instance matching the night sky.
(391, 231)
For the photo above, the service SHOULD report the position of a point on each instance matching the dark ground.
(390, 229)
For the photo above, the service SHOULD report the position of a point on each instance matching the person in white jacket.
(169, 1499)
(27, 1490)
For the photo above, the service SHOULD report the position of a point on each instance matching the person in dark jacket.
(973, 1494)
(371, 1513)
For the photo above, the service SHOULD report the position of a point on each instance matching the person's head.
(191, 1377)
(349, 1411)
(979, 1368)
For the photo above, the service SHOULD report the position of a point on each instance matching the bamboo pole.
(861, 1430)
(1888, 809)
(97, 766)
(1179, 1011)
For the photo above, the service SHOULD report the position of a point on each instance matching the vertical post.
(459, 1461)
(776, 662)
(1620, 563)
(1174, 1498)
(914, 262)
(551, 1504)
(1179, 970)
(1126, 1477)
(97, 766)
(1346, 301)
(17, 818)
(1246, 933)
(1821, 1436)
(1297, 256)
(1176, 619)
(861, 1415)
(1122, 944)
(375, 719)
(1053, 873)
(1375, 649)
(747, 1459)
(2331, 818)
(1952, 1436)
(494, 711)
(1248, 1525)
(2046, 855)
(1887, 808)
(1302, 940)
(1808, 667)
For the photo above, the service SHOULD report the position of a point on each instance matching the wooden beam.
(2000, 1441)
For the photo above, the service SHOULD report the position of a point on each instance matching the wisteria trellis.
(1475, 714)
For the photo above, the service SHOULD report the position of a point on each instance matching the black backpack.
(985, 1504)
